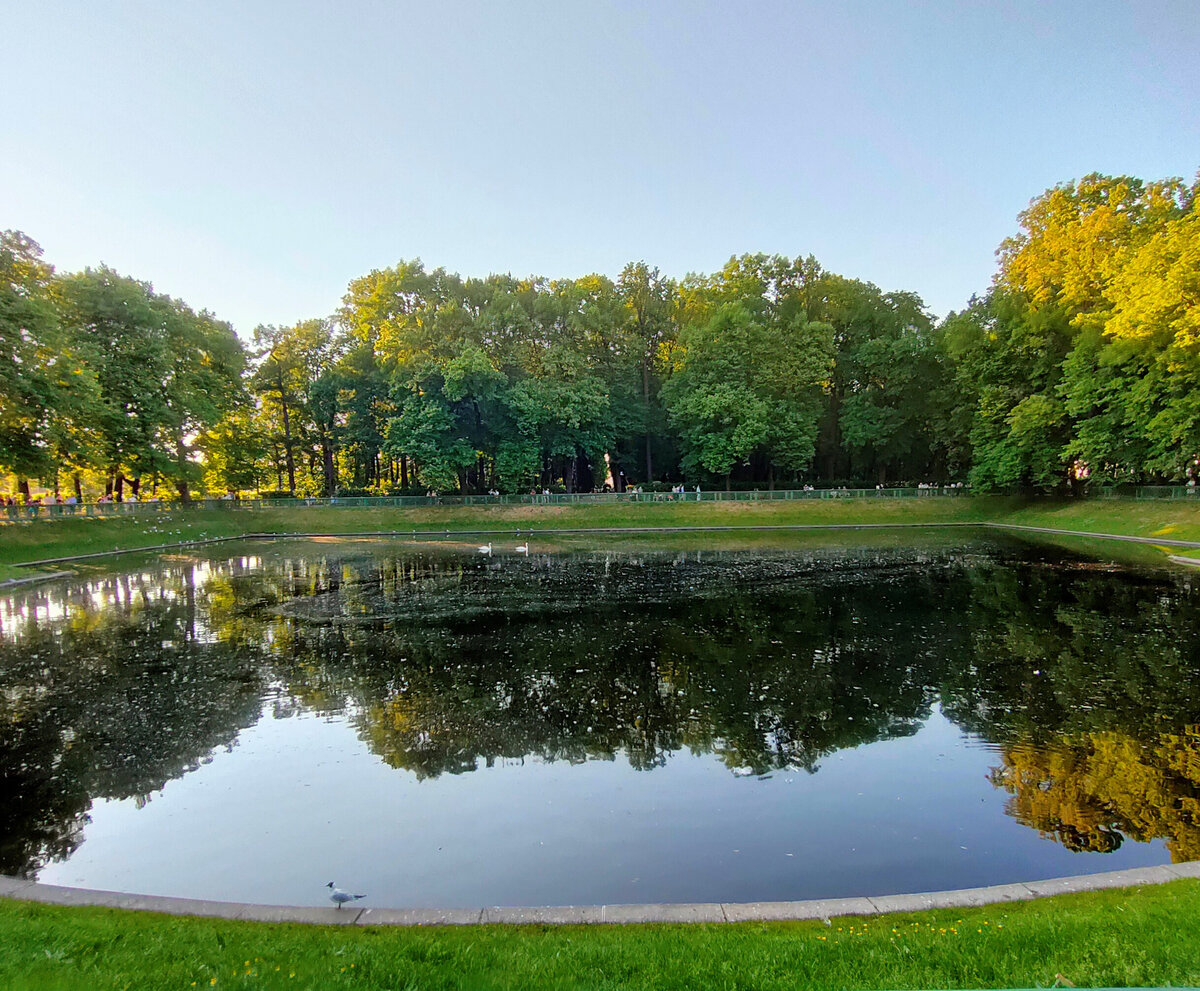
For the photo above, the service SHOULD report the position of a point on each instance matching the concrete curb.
(36, 579)
(826, 908)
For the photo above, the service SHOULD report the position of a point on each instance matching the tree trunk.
(404, 471)
(185, 496)
(119, 488)
(771, 477)
(135, 486)
(287, 433)
(23, 488)
(727, 478)
(78, 487)
(327, 467)
(646, 399)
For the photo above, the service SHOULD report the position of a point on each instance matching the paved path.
(826, 908)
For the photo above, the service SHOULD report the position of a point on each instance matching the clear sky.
(253, 157)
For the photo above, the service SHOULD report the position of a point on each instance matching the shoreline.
(824, 909)
(585, 531)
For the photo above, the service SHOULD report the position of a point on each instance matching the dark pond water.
(438, 727)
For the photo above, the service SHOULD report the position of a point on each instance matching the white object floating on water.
(486, 549)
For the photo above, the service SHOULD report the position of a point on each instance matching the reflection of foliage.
(1075, 650)
(767, 662)
(772, 660)
(109, 703)
(1089, 791)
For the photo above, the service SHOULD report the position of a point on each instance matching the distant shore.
(48, 538)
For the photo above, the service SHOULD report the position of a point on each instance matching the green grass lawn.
(1175, 519)
(50, 537)
(56, 537)
(1133, 937)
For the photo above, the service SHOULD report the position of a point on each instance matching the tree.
(164, 375)
(649, 304)
(48, 391)
(1075, 373)
(746, 384)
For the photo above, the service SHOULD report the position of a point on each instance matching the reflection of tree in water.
(109, 703)
(1067, 649)
(768, 661)
(1087, 680)
(1091, 791)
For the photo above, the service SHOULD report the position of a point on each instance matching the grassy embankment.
(57, 537)
(1133, 937)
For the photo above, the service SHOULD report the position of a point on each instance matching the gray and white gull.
(340, 897)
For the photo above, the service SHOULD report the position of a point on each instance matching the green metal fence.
(1142, 492)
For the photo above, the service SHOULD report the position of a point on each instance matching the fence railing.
(554, 499)
(1146, 492)
(413, 502)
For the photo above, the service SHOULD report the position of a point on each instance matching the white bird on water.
(486, 549)
(523, 549)
(340, 897)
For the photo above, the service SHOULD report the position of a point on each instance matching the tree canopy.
(1079, 366)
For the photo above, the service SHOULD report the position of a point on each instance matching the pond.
(434, 726)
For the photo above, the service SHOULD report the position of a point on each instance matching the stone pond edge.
(822, 908)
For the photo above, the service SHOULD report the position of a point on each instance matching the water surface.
(439, 727)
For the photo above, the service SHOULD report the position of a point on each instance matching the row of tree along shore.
(1080, 367)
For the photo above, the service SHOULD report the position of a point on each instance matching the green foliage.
(48, 390)
(164, 373)
(1087, 363)
(1080, 366)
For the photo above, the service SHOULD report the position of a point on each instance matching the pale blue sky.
(252, 158)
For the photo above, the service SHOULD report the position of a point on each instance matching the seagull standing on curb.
(340, 897)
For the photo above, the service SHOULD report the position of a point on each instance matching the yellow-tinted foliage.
(1087, 791)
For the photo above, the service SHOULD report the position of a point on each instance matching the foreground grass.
(1134, 937)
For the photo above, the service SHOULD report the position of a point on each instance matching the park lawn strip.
(50, 537)
(1173, 519)
(1126, 937)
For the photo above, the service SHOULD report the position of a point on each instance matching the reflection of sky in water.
(705, 663)
(302, 798)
